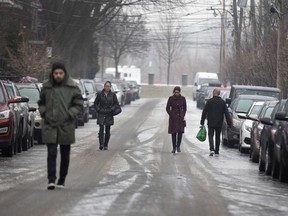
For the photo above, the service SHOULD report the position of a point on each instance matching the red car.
(8, 121)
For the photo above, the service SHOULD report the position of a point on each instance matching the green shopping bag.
(201, 135)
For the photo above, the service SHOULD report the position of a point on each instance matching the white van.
(201, 78)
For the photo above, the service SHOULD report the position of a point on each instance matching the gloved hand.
(201, 122)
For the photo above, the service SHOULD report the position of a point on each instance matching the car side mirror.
(32, 109)
(19, 100)
(242, 116)
(252, 117)
(266, 121)
(281, 116)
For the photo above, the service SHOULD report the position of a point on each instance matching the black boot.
(178, 147)
(107, 137)
(179, 142)
(101, 141)
(174, 143)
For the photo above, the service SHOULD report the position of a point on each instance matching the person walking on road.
(214, 111)
(60, 103)
(176, 108)
(104, 104)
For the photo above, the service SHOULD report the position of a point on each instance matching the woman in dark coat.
(176, 109)
(105, 103)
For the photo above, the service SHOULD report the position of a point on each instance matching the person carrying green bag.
(214, 111)
(201, 135)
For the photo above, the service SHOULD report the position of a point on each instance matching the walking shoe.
(211, 153)
(101, 147)
(173, 151)
(105, 148)
(60, 183)
(51, 186)
(178, 149)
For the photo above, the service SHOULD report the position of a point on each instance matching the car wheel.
(81, 123)
(283, 170)
(25, 142)
(275, 168)
(224, 141)
(254, 157)
(261, 162)
(268, 164)
(9, 152)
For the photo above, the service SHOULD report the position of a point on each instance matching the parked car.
(257, 127)
(32, 91)
(91, 92)
(203, 92)
(120, 93)
(279, 148)
(84, 118)
(9, 131)
(135, 88)
(246, 127)
(237, 90)
(267, 138)
(239, 108)
(23, 117)
(117, 89)
(201, 78)
(126, 90)
(99, 77)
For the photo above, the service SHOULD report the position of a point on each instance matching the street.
(138, 175)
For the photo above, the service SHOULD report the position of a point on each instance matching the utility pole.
(223, 39)
(281, 58)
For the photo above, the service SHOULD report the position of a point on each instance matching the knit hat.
(177, 88)
(58, 65)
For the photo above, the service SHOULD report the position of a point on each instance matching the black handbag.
(184, 122)
(117, 107)
(117, 110)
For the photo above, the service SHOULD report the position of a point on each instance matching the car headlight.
(37, 114)
(236, 123)
(4, 114)
(247, 128)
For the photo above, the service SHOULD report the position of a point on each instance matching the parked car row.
(260, 127)
(126, 91)
(16, 120)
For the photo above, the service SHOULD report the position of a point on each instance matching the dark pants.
(107, 129)
(176, 140)
(211, 138)
(51, 162)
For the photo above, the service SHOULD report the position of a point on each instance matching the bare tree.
(28, 60)
(169, 38)
(124, 35)
(72, 23)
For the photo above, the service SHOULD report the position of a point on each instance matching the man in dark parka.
(215, 110)
(60, 103)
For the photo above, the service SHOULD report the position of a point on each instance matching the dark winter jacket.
(59, 105)
(176, 108)
(214, 111)
(105, 105)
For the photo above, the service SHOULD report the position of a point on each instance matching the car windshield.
(268, 112)
(2, 99)
(244, 105)
(274, 94)
(255, 110)
(206, 80)
(32, 93)
(89, 87)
